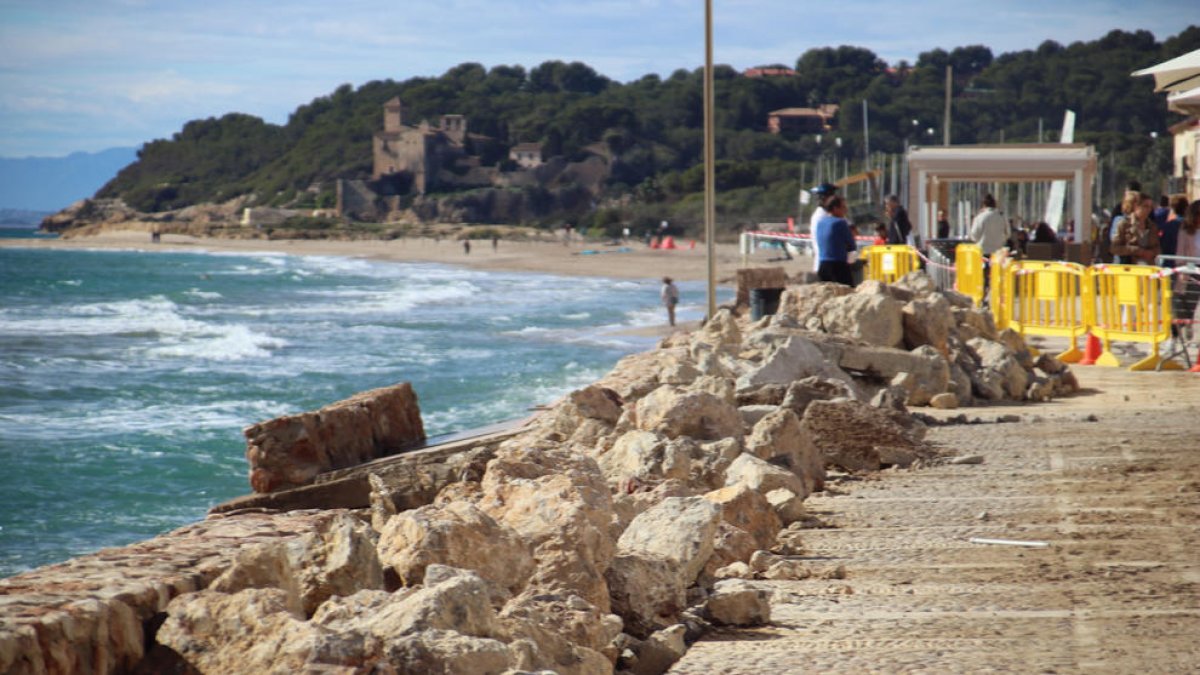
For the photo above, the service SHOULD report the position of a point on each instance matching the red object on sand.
(668, 242)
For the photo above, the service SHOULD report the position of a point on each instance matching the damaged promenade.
(797, 494)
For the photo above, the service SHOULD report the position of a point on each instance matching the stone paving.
(1116, 496)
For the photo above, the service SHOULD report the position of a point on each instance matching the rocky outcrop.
(291, 451)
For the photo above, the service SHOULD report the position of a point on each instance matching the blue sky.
(85, 75)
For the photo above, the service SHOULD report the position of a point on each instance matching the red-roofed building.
(803, 120)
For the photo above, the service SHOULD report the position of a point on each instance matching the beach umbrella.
(1181, 73)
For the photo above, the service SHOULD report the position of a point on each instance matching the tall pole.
(710, 168)
(946, 126)
(867, 149)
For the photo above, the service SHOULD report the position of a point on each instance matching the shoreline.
(633, 261)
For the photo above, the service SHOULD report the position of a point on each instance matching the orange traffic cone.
(1195, 367)
(1092, 351)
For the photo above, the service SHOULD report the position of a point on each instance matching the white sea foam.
(132, 416)
(231, 342)
(153, 315)
(202, 295)
(578, 316)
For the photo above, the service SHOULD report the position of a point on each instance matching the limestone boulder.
(557, 499)
(872, 317)
(747, 510)
(928, 320)
(658, 556)
(580, 623)
(917, 284)
(1001, 375)
(731, 544)
(633, 498)
(737, 602)
(584, 417)
(721, 332)
(675, 412)
(763, 477)
(253, 630)
(973, 322)
(804, 303)
(290, 451)
(457, 534)
(802, 392)
(647, 457)
(721, 387)
(337, 558)
(779, 439)
(636, 375)
(852, 435)
(796, 358)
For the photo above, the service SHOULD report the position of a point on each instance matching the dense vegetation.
(652, 126)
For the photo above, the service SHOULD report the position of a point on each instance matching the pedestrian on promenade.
(835, 241)
(1136, 240)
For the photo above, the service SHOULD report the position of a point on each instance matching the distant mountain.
(21, 218)
(53, 183)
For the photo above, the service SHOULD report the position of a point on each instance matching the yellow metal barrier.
(1000, 298)
(1132, 303)
(1049, 298)
(889, 263)
(968, 272)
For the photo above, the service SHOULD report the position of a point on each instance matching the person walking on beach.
(670, 298)
(466, 247)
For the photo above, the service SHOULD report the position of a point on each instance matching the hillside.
(650, 129)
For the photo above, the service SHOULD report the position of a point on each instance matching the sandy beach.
(578, 259)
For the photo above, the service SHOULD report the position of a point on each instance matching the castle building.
(422, 152)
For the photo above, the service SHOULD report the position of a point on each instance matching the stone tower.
(393, 115)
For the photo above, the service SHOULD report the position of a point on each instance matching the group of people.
(835, 251)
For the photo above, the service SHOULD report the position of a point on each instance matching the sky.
(87, 75)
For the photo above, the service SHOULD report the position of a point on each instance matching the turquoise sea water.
(126, 378)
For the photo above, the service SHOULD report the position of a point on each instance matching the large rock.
(721, 332)
(1001, 374)
(928, 320)
(869, 314)
(736, 602)
(646, 456)
(802, 392)
(456, 534)
(658, 556)
(853, 435)
(922, 373)
(336, 559)
(584, 417)
(804, 303)
(558, 500)
(675, 412)
(779, 439)
(252, 631)
(731, 544)
(290, 451)
(748, 510)
(795, 359)
(763, 477)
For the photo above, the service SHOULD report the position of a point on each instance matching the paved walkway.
(1109, 479)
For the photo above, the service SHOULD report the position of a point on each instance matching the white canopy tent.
(931, 169)
(1181, 73)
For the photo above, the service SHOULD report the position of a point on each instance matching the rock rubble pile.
(629, 517)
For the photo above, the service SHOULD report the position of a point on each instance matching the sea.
(126, 377)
